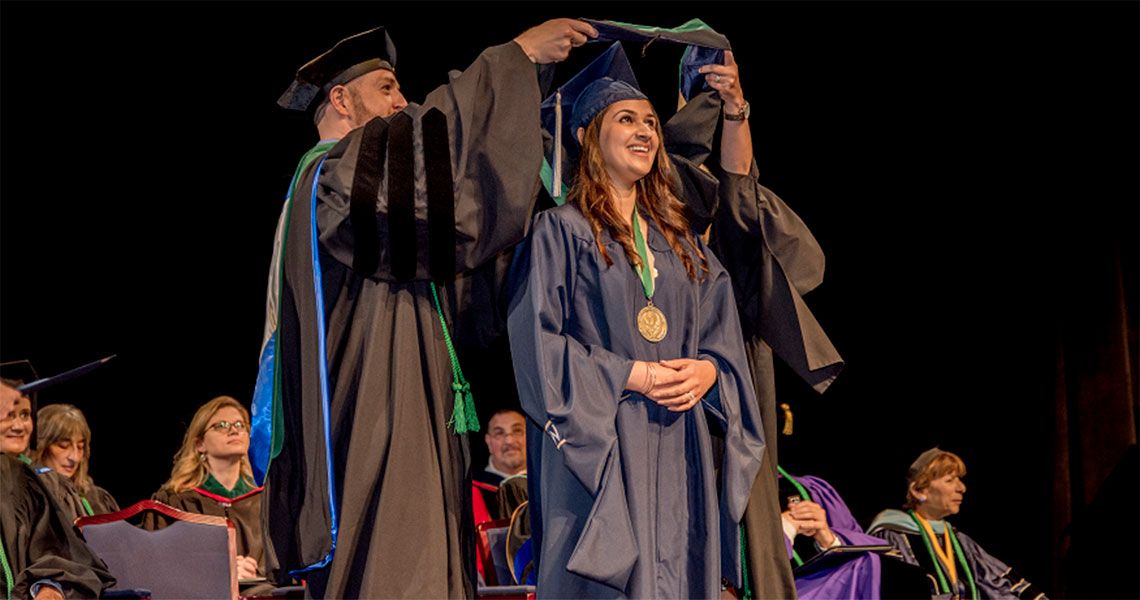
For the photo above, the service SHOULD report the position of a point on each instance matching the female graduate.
(63, 442)
(212, 476)
(629, 362)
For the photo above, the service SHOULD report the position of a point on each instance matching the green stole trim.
(690, 25)
(547, 176)
(87, 506)
(314, 153)
(215, 487)
(9, 582)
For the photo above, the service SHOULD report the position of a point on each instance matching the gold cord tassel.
(787, 430)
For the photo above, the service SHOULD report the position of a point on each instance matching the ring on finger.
(692, 398)
(716, 78)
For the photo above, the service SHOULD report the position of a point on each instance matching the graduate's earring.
(202, 456)
(921, 498)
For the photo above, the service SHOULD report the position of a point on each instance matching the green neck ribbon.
(803, 494)
(926, 541)
(643, 253)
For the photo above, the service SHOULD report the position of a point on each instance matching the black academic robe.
(993, 579)
(397, 496)
(71, 501)
(245, 511)
(100, 500)
(39, 542)
(625, 500)
(772, 259)
(63, 491)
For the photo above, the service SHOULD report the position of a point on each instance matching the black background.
(951, 158)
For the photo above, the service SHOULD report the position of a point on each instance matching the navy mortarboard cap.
(596, 97)
(608, 75)
(348, 59)
(703, 46)
(18, 372)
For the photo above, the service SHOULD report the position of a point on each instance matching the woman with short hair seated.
(961, 568)
(212, 476)
(63, 442)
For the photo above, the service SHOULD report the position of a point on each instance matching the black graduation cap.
(703, 46)
(348, 59)
(18, 371)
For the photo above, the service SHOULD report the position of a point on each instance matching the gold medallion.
(652, 324)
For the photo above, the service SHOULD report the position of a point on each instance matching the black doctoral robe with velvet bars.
(373, 468)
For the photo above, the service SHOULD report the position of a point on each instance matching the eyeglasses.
(224, 426)
(499, 434)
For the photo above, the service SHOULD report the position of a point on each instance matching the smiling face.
(629, 139)
(65, 455)
(229, 442)
(16, 427)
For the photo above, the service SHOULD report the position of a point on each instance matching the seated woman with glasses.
(63, 441)
(212, 476)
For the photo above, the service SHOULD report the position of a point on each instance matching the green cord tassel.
(463, 417)
(744, 579)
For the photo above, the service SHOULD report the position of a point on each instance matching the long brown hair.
(190, 469)
(655, 197)
(62, 422)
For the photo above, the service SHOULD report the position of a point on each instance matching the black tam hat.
(348, 59)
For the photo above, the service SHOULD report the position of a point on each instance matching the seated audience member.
(16, 424)
(43, 557)
(63, 442)
(923, 536)
(212, 476)
(815, 518)
(506, 444)
(16, 428)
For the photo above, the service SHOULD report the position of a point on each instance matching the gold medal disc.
(652, 324)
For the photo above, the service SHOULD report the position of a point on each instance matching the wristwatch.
(745, 110)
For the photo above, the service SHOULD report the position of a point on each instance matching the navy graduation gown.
(625, 499)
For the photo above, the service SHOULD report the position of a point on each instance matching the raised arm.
(736, 138)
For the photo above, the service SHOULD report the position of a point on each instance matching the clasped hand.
(810, 519)
(677, 384)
